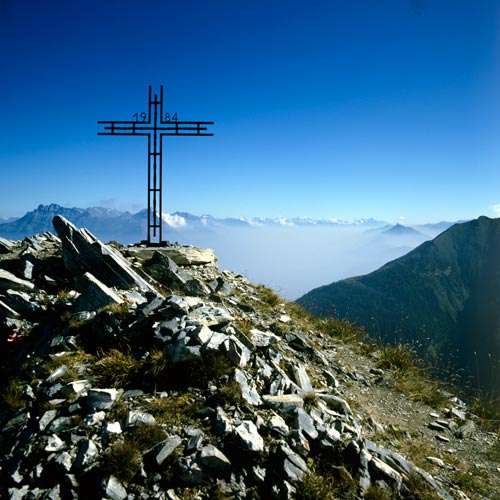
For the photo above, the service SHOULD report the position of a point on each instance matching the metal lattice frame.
(155, 127)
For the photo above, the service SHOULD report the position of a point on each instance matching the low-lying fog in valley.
(293, 259)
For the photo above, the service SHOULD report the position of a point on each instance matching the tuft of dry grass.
(268, 296)
(116, 369)
(122, 460)
(174, 410)
(12, 394)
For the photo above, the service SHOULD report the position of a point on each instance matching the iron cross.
(154, 125)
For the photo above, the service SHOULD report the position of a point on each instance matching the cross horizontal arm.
(136, 128)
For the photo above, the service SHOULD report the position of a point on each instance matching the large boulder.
(83, 252)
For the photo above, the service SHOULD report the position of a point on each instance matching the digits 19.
(142, 116)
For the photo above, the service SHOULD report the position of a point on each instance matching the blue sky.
(339, 108)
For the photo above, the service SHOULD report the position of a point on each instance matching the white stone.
(249, 436)
(113, 428)
(54, 443)
(278, 425)
(95, 418)
(436, 461)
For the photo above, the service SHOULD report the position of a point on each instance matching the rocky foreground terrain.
(137, 373)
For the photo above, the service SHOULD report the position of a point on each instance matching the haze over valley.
(292, 256)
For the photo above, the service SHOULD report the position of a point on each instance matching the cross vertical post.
(155, 124)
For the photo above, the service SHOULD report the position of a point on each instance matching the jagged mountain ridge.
(95, 337)
(444, 295)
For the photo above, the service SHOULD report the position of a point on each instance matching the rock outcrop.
(144, 378)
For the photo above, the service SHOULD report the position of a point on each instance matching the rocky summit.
(138, 373)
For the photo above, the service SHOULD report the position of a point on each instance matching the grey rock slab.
(380, 469)
(101, 399)
(168, 273)
(214, 460)
(87, 454)
(202, 334)
(7, 311)
(294, 466)
(211, 316)
(236, 351)
(337, 404)
(19, 493)
(9, 281)
(55, 443)
(248, 393)
(278, 426)
(94, 294)
(21, 302)
(60, 424)
(396, 461)
(283, 403)
(56, 374)
(113, 489)
(151, 305)
(222, 423)
(54, 493)
(164, 449)
(75, 387)
(6, 246)
(46, 419)
(330, 438)
(64, 461)
(303, 422)
(215, 342)
(182, 255)
(248, 436)
(137, 418)
(302, 378)
(181, 352)
(263, 339)
(195, 440)
(435, 426)
(458, 414)
(84, 252)
(178, 304)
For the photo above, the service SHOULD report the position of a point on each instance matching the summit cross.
(155, 124)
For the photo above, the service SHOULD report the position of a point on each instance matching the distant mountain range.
(125, 227)
(444, 296)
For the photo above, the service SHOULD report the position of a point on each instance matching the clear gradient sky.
(334, 108)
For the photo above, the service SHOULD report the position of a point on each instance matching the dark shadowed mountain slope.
(445, 295)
